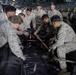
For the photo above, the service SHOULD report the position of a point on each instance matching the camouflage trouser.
(62, 50)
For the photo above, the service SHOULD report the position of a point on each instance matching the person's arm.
(22, 32)
(22, 27)
(61, 38)
(18, 32)
(12, 40)
(37, 30)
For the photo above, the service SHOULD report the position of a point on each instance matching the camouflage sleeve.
(38, 29)
(21, 27)
(12, 39)
(61, 38)
(19, 42)
(18, 32)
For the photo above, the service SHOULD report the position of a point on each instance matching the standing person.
(30, 17)
(66, 40)
(39, 11)
(53, 11)
(38, 14)
(10, 52)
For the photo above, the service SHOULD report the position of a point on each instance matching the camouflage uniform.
(28, 20)
(7, 34)
(38, 16)
(18, 32)
(66, 42)
(55, 12)
(21, 27)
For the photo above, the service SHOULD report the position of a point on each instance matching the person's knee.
(61, 51)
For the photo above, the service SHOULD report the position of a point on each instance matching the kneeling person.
(66, 39)
(45, 30)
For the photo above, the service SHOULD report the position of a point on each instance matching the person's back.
(69, 32)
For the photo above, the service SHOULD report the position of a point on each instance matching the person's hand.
(25, 29)
(26, 33)
(23, 58)
(50, 49)
(22, 47)
(34, 33)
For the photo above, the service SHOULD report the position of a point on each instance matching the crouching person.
(66, 40)
(11, 55)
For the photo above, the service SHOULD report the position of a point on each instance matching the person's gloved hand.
(23, 58)
(22, 47)
(50, 49)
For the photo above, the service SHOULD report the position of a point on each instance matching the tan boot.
(45, 57)
(62, 71)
